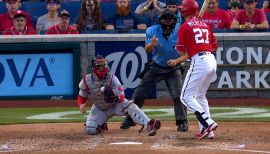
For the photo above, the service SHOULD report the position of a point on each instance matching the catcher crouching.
(106, 93)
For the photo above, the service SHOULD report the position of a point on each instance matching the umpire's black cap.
(171, 2)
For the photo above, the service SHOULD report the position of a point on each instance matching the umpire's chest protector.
(96, 96)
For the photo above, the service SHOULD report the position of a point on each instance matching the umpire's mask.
(167, 20)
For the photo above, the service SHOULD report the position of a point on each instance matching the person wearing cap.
(6, 19)
(215, 17)
(172, 5)
(151, 9)
(63, 27)
(49, 19)
(20, 27)
(250, 18)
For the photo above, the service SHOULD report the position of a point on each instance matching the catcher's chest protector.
(96, 96)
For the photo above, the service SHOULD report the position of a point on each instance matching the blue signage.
(36, 74)
(127, 60)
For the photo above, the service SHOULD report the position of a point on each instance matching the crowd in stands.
(123, 16)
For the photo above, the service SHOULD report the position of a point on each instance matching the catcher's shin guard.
(137, 115)
(92, 127)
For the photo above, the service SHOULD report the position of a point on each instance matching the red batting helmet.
(189, 7)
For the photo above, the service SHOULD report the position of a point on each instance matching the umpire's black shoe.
(127, 123)
(183, 127)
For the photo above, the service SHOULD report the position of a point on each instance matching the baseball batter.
(197, 41)
(108, 98)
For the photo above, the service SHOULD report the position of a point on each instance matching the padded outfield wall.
(243, 63)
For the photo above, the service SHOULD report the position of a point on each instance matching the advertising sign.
(36, 74)
(127, 60)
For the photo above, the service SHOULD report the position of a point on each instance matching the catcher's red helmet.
(189, 7)
(100, 65)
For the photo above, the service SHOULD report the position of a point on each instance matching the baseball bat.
(203, 9)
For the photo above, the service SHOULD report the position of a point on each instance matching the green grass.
(18, 115)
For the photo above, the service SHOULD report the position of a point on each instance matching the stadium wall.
(243, 60)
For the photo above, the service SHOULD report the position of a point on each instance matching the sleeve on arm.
(180, 40)
(262, 16)
(149, 35)
(118, 89)
(214, 41)
(82, 93)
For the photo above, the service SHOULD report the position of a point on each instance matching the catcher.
(108, 98)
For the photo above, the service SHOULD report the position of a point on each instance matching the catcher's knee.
(91, 127)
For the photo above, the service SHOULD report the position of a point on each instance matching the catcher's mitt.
(108, 93)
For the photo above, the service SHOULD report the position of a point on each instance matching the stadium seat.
(3, 7)
(73, 8)
(223, 5)
(34, 9)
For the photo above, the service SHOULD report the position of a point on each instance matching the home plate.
(120, 143)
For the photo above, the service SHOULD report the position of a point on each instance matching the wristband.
(241, 26)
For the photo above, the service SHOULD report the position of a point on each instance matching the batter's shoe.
(209, 129)
(127, 123)
(153, 126)
(183, 127)
(197, 135)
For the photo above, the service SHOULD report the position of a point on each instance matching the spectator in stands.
(250, 18)
(124, 19)
(63, 27)
(6, 19)
(90, 17)
(234, 6)
(49, 19)
(151, 10)
(216, 18)
(20, 27)
(172, 5)
(266, 6)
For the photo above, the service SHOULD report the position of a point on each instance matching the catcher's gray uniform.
(91, 87)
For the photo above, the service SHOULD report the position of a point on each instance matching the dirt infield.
(231, 137)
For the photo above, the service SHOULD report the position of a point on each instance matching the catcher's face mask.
(100, 67)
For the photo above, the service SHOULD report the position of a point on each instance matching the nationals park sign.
(240, 67)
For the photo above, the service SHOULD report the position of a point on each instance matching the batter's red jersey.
(195, 36)
(258, 17)
(57, 30)
(12, 31)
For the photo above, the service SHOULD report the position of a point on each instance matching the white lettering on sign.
(243, 80)
(235, 55)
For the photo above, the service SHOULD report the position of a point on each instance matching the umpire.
(160, 41)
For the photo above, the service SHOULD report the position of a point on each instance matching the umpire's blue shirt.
(165, 50)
